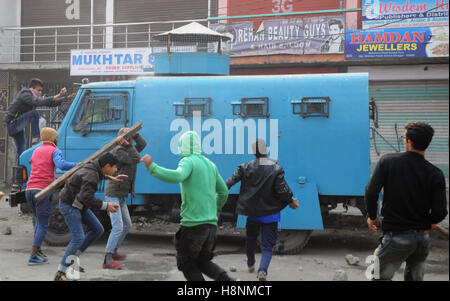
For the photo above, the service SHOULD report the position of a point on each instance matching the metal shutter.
(401, 102)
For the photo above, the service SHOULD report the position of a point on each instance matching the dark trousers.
(16, 129)
(269, 234)
(195, 247)
(410, 246)
(42, 209)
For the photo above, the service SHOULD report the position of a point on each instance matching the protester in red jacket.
(43, 162)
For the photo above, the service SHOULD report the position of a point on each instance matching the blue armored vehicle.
(316, 126)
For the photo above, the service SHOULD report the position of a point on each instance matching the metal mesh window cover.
(191, 105)
(252, 107)
(102, 112)
(3, 79)
(312, 107)
(4, 99)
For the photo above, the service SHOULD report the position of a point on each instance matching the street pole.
(209, 12)
(92, 24)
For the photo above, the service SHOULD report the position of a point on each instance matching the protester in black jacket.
(75, 202)
(414, 201)
(263, 194)
(22, 112)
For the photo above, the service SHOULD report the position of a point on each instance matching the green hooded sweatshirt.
(203, 191)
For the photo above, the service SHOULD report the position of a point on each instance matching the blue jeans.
(16, 129)
(42, 209)
(395, 248)
(74, 219)
(120, 222)
(269, 234)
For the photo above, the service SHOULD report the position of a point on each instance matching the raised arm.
(169, 175)
(59, 161)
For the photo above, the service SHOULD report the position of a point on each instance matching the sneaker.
(60, 276)
(262, 276)
(36, 259)
(251, 269)
(114, 265)
(41, 254)
(119, 256)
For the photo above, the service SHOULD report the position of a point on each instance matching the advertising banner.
(397, 43)
(404, 13)
(129, 61)
(319, 35)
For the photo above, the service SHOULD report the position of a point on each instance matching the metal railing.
(53, 43)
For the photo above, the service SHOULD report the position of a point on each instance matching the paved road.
(152, 256)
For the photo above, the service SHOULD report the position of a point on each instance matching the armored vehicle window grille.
(312, 107)
(191, 105)
(252, 107)
(101, 112)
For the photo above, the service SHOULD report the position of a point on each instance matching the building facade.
(402, 45)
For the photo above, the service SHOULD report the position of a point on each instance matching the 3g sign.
(282, 6)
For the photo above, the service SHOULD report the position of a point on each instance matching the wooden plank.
(59, 182)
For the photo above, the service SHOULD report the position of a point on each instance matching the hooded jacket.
(25, 101)
(79, 190)
(264, 190)
(203, 191)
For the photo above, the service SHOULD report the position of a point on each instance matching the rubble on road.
(318, 261)
(7, 231)
(340, 275)
(233, 269)
(352, 260)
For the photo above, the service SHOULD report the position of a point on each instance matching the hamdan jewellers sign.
(129, 61)
(397, 43)
(404, 13)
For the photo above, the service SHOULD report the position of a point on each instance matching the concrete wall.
(9, 17)
(404, 72)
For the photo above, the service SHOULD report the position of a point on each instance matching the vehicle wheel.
(25, 209)
(58, 234)
(292, 241)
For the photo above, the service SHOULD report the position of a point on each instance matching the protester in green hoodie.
(203, 194)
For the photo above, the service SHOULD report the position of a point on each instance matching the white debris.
(340, 275)
(352, 260)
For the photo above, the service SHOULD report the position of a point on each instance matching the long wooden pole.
(59, 182)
